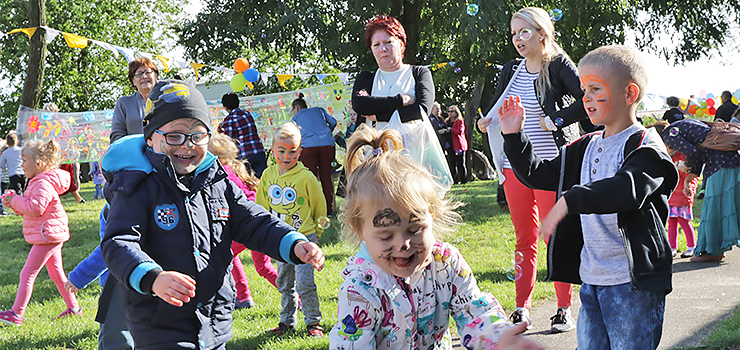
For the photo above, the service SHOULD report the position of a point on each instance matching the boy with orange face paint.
(607, 229)
(291, 192)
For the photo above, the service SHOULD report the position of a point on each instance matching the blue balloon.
(251, 75)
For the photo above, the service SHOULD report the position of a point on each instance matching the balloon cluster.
(243, 75)
(707, 104)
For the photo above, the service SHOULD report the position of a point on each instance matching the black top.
(383, 107)
(725, 111)
(672, 115)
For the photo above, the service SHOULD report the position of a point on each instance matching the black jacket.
(563, 101)
(725, 111)
(638, 193)
(156, 223)
(383, 107)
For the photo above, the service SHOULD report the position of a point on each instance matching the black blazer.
(383, 107)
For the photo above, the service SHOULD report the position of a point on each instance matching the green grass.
(486, 240)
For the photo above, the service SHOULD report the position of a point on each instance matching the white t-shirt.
(11, 160)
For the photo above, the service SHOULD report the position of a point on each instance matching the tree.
(81, 79)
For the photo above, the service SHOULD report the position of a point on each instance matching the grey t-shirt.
(604, 257)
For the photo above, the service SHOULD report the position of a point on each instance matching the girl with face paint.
(403, 285)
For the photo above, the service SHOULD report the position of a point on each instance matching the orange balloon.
(241, 65)
(692, 109)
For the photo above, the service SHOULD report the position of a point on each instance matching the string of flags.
(81, 42)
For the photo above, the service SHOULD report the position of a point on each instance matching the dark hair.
(11, 139)
(138, 63)
(660, 126)
(299, 102)
(726, 96)
(387, 23)
(230, 100)
(672, 101)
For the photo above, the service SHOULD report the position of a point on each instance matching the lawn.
(486, 240)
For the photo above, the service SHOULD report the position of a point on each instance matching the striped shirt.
(542, 140)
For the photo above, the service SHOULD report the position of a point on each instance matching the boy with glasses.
(173, 215)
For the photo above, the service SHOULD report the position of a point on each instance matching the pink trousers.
(527, 207)
(688, 231)
(40, 255)
(262, 264)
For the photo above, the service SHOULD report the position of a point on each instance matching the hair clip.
(377, 151)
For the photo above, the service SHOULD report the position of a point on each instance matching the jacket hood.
(127, 153)
(59, 178)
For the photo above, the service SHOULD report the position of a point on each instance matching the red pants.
(318, 160)
(688, 231)
(49, 255)
(527, 207)
(262, 264)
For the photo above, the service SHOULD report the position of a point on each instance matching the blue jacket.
(93, 266)
(156, 223)
(316, 127)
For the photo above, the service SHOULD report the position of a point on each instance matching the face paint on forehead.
(604, 98)
(386, 217)
(287, 146)
(413, 218)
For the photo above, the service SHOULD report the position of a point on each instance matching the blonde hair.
(289, 130)
(48, 153)
(540, 20)
(225, 149)
(457, 111)
(626, 63)
(391, 176)
(51, 107)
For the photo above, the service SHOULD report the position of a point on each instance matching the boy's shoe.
(70, 312)
(245, 304)
(521, 315)
(688, 253)
(281, 329)
(562, 321)
(673, 253)
(315, 331)
(11, 318)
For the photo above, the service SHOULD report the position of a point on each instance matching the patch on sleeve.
(167, 216)
(224, 213)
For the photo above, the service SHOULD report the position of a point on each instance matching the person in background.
(128, 113)
(440, 126)
(4, 180)
(674, 113)
(318, 152)
(98, 180)
(459, 144)
(725, 111)
(240, 126)
(342, 142)
(11, 162)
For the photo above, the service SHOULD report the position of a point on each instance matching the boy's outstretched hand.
(512, 339)
(553, 218)
(174, 288)
(511, 115)
(310, 253)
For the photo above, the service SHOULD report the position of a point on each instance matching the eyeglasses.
(524, 34)
(141, 74)
(178, 138)
(451, 111)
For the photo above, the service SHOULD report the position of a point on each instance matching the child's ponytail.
(381, 142)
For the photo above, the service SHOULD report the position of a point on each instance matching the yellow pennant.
(282, 78)
(28, 31)
(196, 67)
(75, 41)
(164, 61)
(251, 86)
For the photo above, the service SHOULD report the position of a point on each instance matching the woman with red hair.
(395, 86)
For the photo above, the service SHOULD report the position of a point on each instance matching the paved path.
(703, 294)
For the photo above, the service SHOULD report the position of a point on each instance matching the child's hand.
(512, 339)
(174, 288)
(511, 115)
(70, 287)
(7, 198)
(556, 214)
(483, 124)
(310, 253)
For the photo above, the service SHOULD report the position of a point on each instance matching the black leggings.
(18, 183)
(459, 172)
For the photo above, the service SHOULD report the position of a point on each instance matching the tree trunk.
(410, 19)
(471, 113)
(36, 56)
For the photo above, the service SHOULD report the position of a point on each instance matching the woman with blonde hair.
(546, 80)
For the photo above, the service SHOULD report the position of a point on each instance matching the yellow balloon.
(700, 112)
(734, 100)
(683, 103)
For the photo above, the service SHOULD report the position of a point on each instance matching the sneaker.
(70, 312)
(315, 331)
(673, 253)
(11, 318)
(281, 329)
(245, 304)
(562, 321)
(521, 315)
(701, 195)
(688, 253)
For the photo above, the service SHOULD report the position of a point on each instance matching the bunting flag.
(343, 77)
(321, 78)
(127, 53)
(164, 61)
(265, 77)
(106, 46)
(196, 67)
(304, 77)
(282, 78)
(250, 85)
(51, 34)
(28, 31)
(2, 35)
(75, 41)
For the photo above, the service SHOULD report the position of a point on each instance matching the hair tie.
(377, 151)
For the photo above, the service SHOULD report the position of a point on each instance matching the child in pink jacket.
(45, 225)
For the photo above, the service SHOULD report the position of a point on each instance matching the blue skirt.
(719, 228)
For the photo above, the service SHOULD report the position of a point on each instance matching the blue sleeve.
(286, 246)
(93, 266)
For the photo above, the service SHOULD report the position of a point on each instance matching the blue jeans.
(256, 162)
(619, 318)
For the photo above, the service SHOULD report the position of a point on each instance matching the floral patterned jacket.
(381, 311)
